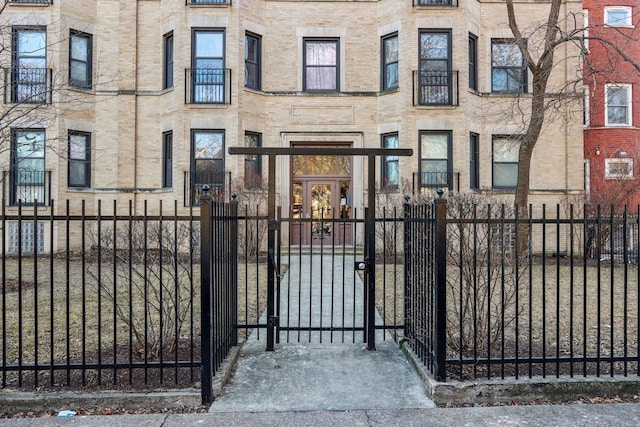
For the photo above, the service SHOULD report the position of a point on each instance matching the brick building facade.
(612, 136)
(148, 95)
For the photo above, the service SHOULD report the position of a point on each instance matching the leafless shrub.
(484, 269)
(147, 277)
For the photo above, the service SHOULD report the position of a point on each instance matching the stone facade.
(126, 110)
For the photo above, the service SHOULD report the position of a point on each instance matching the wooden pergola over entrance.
(370, 255)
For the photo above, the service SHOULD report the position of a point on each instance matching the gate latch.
(361, 265)
(273, 321)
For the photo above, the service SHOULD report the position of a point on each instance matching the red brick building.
(612, 108)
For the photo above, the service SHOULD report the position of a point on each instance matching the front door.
(319, 209)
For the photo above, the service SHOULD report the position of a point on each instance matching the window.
(390, 169)
(505, 161)
(473, 62)
(167, 159)
(619, 16)
(167, 63)
(585, 32)
(80, 60)
(28, 162)
(618, 168)
(208, 74)
(390, 62)
(252, 163)
(508, 71)
(79, 167)
(435, 159)
(474, 161)
(433, 2)
(207, 157)
(434, 80)
(321, 65)
(618, 105)
(252, 62)
(29, 74)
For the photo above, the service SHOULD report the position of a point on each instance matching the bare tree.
(539, 46)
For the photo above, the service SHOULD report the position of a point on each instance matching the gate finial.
(440, 192)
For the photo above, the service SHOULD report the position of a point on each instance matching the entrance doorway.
(319, 210)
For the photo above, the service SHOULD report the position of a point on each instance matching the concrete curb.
(550, 389)
(12, 401)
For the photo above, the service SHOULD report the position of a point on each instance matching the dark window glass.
(79, 159)
(253, 163)
(252, 59)
(473, 62)
(321, 65)
(390, 62)
(390, 166)
(80, 61)
(167, 78)
(474, 165)
(508, 71)
(167, 159)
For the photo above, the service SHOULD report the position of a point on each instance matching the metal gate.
(322, 297)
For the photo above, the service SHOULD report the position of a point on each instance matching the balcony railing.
(26, 187)
(449, 181)
(435, 88)
(28, 85)
(453, 3)
(30, 1)
(208, 2)
(207, 86)
(216, 181)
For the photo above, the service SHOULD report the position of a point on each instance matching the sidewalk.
(617, 415)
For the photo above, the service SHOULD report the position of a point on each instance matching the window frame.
(220, 159)
(168, 60)
(305, 66)
(386, 162)
(210, 82)
(516, 139)
(628, 10)
(446, 82)
(256, 63)
(40, 96)
(16, 179)
(473, 61)
(87, 81)
(385, 84)
(448, 159)
(524, 75)
(167, 159)
(619, 160)
(252, 164)
(474, 161)
(84, 162)
(629, 105)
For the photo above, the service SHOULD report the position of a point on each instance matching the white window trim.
(586, 107)
(609, 175)
(585, 26)
(626, 9)
(629, 104)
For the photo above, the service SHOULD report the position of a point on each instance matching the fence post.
(408, 247)
(441, 288)
(206, 294)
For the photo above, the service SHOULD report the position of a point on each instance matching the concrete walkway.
(332, 370)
